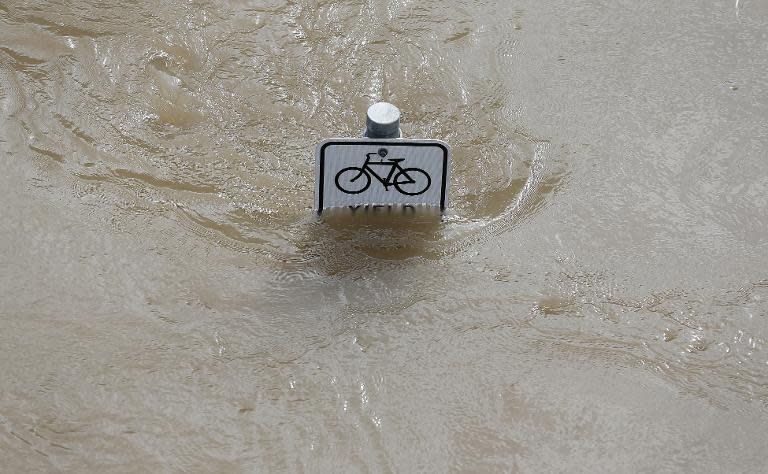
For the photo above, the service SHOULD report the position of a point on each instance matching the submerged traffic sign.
(355, 172)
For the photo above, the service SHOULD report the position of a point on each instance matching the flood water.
(594, 300)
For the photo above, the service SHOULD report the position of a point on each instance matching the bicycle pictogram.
(408, 181)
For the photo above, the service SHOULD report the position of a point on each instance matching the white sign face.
(369, 171)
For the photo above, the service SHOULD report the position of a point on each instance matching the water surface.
(595, 300)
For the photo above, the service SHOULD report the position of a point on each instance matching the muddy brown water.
(595, 300)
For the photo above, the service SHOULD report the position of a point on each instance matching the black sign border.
(370, 141)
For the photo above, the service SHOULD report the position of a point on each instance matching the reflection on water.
(594, 297)
(380, 232)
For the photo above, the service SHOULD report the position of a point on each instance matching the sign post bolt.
(382, 121)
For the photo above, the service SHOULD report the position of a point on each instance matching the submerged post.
(382, 121)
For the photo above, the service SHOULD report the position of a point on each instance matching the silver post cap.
(382, 121)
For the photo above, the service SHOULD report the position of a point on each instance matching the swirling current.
(594, 300)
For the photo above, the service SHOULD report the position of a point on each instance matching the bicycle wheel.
(412, 181)
(349, 180)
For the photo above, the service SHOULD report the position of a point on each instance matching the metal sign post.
(382, 121)
(381, 168)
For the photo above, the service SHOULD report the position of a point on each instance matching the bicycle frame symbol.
(408, 181)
